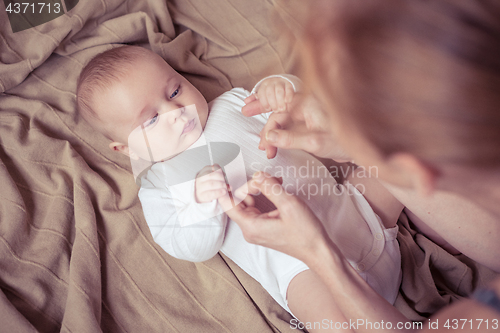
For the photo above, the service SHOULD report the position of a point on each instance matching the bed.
(76, 253)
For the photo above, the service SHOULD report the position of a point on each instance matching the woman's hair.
(416, 76)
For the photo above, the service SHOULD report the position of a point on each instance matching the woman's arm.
(465, 226)
(359, 303)
(294, 229)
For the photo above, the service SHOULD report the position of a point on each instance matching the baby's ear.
(123, 149)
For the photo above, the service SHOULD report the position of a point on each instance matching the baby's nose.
(177, 114)
(179, 111)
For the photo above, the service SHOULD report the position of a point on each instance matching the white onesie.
(349, 220)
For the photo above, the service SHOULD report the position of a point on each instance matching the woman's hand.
(292, 228)
(303, 125)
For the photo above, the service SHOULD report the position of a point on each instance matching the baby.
(186, 152)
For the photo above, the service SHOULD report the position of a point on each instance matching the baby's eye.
(175, 93)
(151, 121)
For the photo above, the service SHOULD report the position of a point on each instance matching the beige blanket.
(75, 252)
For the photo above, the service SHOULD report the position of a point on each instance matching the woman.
(412, 87)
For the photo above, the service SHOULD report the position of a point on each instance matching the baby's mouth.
(189, 126)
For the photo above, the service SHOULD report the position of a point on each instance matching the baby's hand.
(210, 184)
(274, 94)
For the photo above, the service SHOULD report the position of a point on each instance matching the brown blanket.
(75, 252)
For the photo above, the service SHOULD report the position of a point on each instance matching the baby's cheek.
(201, 109)
(137, 144)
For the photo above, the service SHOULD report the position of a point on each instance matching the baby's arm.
(164, 213)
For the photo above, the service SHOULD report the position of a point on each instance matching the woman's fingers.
(318, 143)
(292, 228)
(241, 210)
(272, 189)
(299, 230)
(245, 193)
(257, 227)
(277, 120)
(252, 108)
(289, 139)
(250, 99)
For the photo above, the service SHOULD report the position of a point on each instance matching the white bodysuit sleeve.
(165, 213)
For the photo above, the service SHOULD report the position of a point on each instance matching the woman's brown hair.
(416, 76)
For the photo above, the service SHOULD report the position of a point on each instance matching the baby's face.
(153, 106)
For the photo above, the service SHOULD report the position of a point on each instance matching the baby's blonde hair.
(102, 72)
